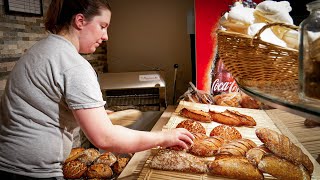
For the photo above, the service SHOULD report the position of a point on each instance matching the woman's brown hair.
(61, 12)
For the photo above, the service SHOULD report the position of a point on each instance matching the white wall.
(151, 34)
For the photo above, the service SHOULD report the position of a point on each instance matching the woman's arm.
(103, 134)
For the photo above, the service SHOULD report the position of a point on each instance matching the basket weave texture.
(254, 62)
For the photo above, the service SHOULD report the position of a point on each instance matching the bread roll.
(281, 146)
(74, 169)
(228, 133)
(282, 169)
(99, 171)
(197, 115)
(237, 167)
(192, 126)
(120, 164)
(206, 147)
(178, 161)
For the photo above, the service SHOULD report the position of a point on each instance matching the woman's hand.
(177, 137)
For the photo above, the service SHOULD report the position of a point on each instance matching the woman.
(53, 89)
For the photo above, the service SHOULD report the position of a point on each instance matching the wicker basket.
(253, 62)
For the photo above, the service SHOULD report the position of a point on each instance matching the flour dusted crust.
(229, 133)
(74, 154)
(74, 169)
(192, 126)
(178, 161)
(88, 156)
(106, 158)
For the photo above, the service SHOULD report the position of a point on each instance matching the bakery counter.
(308, 139)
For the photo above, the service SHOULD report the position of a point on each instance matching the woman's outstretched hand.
(177, 137)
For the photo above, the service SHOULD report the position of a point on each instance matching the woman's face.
(94, 32)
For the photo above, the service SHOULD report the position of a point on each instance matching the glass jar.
(309, 54)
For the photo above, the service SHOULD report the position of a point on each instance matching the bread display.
(234, 167)
(91, 164)
(228, 133)
(281, 146)
(192, 126)
(178, 161)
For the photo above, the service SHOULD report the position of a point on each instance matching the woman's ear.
(79, 21)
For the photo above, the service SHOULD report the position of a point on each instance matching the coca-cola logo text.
(218, 86)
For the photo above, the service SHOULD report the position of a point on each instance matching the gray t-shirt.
(36, 121)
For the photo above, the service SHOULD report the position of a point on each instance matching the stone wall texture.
(20, 32)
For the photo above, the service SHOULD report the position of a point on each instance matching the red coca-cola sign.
(222, 81)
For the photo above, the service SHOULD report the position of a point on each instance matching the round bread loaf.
(88, 156)
(192, 126)
(74, 169)
(74, 154)
(99, 171)
(106, 158)
(229, 133)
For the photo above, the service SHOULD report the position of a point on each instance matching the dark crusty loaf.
(73, 169)
(281, 146)
(99, 171)
(192, 126)
(282, 169)
(178, 161)
(206, 147)
(107, 158)
(74, 154)
(229, 133)
(238, 147)
(120, 164)
(234, 167)
(88, 156)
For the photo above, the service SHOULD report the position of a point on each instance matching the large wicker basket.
(254, 62)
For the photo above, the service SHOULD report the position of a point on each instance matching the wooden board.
(262, 119)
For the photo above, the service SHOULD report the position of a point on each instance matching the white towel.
(267, 35)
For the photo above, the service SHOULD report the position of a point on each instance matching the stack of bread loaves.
(247, 20)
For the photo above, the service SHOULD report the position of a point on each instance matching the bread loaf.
(255, 154)
(228, 133)
(234, 167)
(206, 147)
(73, 169)
(106, 158)
(178, 161)
(195, 115)
(281, 146)
(88, 156)
(233, 118)
(99, 171)
(282, 169)
(120, 164)
(237, 147)
(74, 154)
(192, 126)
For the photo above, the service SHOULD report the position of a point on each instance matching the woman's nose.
(105, 37)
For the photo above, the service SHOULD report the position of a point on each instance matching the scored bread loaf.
(88, 156)
(229, 133)
(99, 171)
(74, 154)
(206, 147)
(73, 169)
(197, 115)
(238, 147)
(255, 154)
(232, 118)
(192, 126)
(234, 167)
(107, 158)
(282, 169)
(178, 161)
(281, 146)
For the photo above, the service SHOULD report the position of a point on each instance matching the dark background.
(299, 10)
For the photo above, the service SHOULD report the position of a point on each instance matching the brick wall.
(18, 33)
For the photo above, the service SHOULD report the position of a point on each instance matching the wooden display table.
(138, 161)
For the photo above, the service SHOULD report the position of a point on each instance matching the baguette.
(234, 167)
(195, 115)
(233, 118)
(178, 161)
(281, 146)
(282, 169)
(237, 147)
(255, 154)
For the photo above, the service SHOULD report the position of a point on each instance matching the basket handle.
(257, 35)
